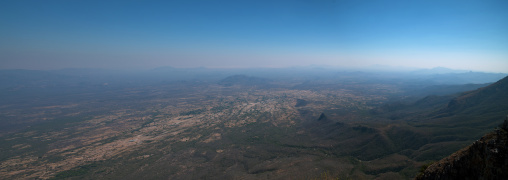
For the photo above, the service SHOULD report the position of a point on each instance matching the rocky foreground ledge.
(486, 158)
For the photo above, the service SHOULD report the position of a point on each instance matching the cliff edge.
(486, 158)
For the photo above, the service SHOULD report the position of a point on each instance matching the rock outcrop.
(322, 117)
(486, 158)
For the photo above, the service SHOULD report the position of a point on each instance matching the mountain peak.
(322, 117)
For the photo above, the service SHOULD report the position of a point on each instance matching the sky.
(125, 34)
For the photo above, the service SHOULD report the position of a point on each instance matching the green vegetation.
(336, 128)
(424, 167)
(193, 112)
(326, 176)
(78, 171)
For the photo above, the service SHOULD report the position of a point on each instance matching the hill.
(244, 80)
(478, 109)
(488, 99)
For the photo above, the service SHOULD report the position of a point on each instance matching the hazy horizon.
(462, 35)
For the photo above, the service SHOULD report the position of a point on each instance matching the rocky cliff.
(486, 158)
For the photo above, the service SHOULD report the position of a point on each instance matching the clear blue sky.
(50, 34)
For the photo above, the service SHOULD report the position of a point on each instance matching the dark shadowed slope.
(486, 158)
(479, 109)
(492, 98)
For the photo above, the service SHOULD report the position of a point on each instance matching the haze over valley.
(305, 89)
(265, 123)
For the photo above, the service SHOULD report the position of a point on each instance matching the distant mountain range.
(244, 80)
(438, 70)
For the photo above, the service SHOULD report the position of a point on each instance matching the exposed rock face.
(486, 158)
